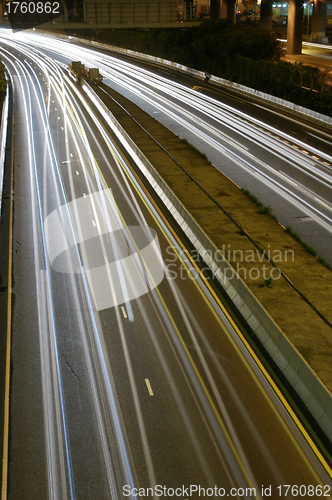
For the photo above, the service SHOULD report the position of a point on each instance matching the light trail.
(193, 382)
(137, 406)
(51, 367)
(57, 380)
(261, 170)
(123, 74)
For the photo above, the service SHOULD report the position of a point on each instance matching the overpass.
(120, 14)
(106, 14)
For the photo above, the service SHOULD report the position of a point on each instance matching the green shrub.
(326, 264)
(266, 210)
(203, 155)
(267, 283)
(296, 237)
(262, 208)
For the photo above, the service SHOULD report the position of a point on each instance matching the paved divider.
(310, 389)
(3, 137)
(221, 82)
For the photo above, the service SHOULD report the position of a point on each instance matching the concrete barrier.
(306, 383)
(235, 87)
(201, 75)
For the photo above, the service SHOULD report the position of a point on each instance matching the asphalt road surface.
(126, 372)
(284, 160)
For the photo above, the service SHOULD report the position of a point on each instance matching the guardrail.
(235, 87)
(3, 137)
(306, 383)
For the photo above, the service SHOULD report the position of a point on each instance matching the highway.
(126, 372)
(320, 52)
(283, 160)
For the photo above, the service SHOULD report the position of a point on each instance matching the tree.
(313, 73)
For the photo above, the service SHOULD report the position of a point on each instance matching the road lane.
(79, 393)
(272, 154)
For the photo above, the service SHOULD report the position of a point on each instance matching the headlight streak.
(215, 391)
(106, 217)
(137, 405)
(80, 126)
(95, 120)
(205, 103)
(128, 362)
(105, 371)
(169, 328)
(201, 101)
(314, 212)
(235, 157)
(243, 128)
(180, 92)
(113, 478)
(129, 367)
(323, 219)
(213, 131)
(58, 389)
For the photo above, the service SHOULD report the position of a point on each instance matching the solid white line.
(319, 138)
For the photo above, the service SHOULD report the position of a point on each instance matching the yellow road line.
(9, 327)
(239, 333)
(124, 312)
(207, 394)
(237, 330)
(148, 385)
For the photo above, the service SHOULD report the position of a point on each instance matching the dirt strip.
(303, 326)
